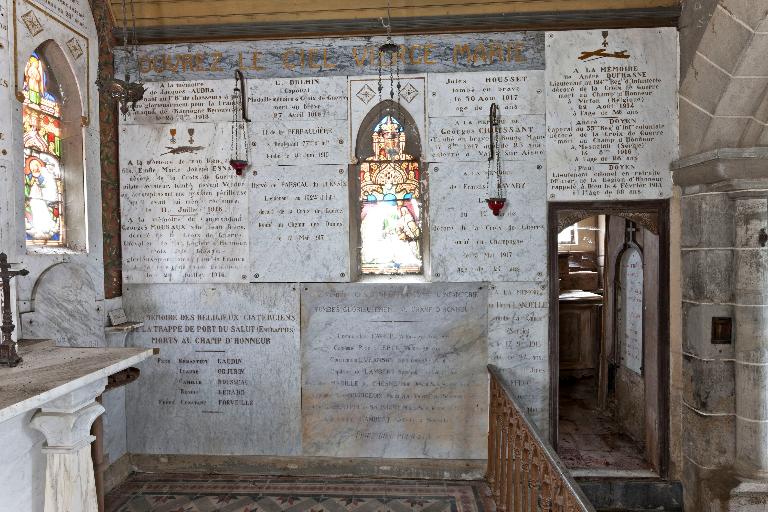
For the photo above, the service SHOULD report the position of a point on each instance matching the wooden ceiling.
(199, 20)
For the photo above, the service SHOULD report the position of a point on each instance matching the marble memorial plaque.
(299, 221)
(471, 94)
(74, 13)
(611, 114)
(184, 211)
(4, 29)
(518, 343)
(318, 99)
(342, 56)
(631, 309)
(7, 100)
(226, 381)
(299, 142)
(387, 370)
(467, 242)
(202, 101)
(466, 139)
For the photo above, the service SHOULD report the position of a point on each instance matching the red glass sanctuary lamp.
(496, 202)
(240, 144)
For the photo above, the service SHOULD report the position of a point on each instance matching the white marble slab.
(299, 222)
(518, 343)
(466, 139)
(67, 308)
(6, 102)
(471, 94)
(467, 242)
(364, 100)
(631, 309)
(298, 142)
(611, 113)
(317, 99)
(387, 369)
(184, 211)
(200, 101)
(49, 372)
(74, 13)
(11, 223)
(4, 17)
(227, 381)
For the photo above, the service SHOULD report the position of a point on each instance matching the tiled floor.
(145, 492)
(591, 439)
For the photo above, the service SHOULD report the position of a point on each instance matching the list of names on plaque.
(226, 380)
(184, 211)
(471, 94)
(469, 243)
(611, 113)
(299, 222)
(518, 342)
(298, 99)
(387, 369)
(201, 101)
(466, 139)
(299, 142)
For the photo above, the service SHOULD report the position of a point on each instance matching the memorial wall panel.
(299, 224)
(394, 370)
(611, 114)
(226, 380)
(467, 242)
(518, 343)
(184, 211)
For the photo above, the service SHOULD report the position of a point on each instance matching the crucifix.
(8, 354)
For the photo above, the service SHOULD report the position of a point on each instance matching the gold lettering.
(519, 56)
(216, 59)
(167, 63)
(360, 61)
(411, 52)
(186, 61)
(199, 61)
(496, 51)
(145, 64)
(428, 53)
(311, 59)
(458, 51)
(326, 64)
(255, 62)
(287, 64)
(480, 51)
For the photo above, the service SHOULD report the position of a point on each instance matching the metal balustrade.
(524, 472)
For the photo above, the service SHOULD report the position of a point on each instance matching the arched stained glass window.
(390, 203)
(43, 183)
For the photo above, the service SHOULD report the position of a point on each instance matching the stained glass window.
(390, 203)
(43, 184)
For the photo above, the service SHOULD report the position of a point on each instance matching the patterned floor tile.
(225, 493)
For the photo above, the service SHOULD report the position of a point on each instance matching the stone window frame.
(72, 159)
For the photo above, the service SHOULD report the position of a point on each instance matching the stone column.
(66, 424)
(751, 334)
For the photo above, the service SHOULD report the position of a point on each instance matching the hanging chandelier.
(126, 92)
(495, 202)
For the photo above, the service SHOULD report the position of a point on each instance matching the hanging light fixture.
(497, 201)
(125, 91)
(240, 144)
(389, 52)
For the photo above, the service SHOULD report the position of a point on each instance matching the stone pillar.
(751, 334)
(66, 424)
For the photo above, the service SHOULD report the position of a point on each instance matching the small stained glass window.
(390, 203)
(43, 183)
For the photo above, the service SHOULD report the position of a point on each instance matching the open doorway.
(609, 336)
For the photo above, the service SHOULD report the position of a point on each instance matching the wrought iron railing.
(524, 472)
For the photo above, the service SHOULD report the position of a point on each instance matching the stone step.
(633, 495)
